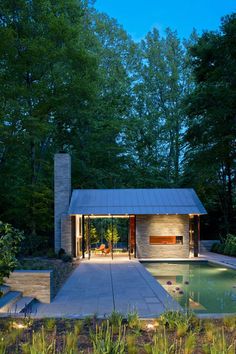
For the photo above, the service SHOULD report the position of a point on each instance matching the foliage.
(210, 157)
(39, 344)
(103, 341)
(70, 336)
(182, 321)
(10, 239)
(66, 258)
(94, 238)
(133, 321)
(47, 79)
(115, 320)
(73, 80)
(228, 247)
(111, 234)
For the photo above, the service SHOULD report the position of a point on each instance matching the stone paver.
(100, 286)
(219, 259)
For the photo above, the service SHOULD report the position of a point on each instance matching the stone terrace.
(100, 286)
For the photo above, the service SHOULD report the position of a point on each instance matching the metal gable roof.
(135, 201)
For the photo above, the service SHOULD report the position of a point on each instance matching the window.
(165, 240)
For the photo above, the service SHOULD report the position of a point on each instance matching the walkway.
(219, 259)
(101, 286)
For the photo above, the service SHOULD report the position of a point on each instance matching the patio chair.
(100, 249)
(106, 251)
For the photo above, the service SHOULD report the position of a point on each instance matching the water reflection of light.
(222, 268)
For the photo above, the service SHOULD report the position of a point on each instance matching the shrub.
(178, 320)
(61, 252)
(233, 251)
(133, 320)
(35, 245)
(220, 248)
(51, 253)
(227, 248)
(214, 247)
(104, 342)
(10, 239)
(230, 244)
(66, 258)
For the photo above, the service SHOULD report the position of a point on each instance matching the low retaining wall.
(34, 283)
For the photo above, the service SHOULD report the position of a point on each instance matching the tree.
(211, 108)
(47, 82)
(111, 235)
(101, 156)
(10, 239)
(155, 140)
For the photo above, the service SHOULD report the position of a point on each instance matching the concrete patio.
(101, 285)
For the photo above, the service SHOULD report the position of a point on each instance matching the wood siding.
(162, 225)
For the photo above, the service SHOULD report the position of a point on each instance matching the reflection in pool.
(200, 286)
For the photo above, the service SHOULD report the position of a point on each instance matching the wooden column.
(83, 237)
(132, 235)
(73, 235)
(112, 230)
(89, 238)
(196, 233)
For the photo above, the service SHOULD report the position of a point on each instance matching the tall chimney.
(62, 193)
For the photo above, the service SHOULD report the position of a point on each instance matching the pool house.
(160, 223)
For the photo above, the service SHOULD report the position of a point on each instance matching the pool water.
(203, 287)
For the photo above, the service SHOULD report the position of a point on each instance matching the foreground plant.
(10, 239)
(115, 320)
(104, 342)
(230, 323)
(40, 344)
(220, 345)
(133, 321)
(161, 344)
(131, 344)
(190, 343)
(182, 321)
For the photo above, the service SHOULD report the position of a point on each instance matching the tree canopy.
(154, 113)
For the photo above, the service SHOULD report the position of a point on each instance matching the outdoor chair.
(100, 249)
(106, 251)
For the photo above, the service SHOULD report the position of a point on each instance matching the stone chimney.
(62, 194)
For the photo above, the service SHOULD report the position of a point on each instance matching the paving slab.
(97, 287)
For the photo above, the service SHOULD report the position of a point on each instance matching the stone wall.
(34, 283)
(66, 234)
(62, 193)
(162, 225)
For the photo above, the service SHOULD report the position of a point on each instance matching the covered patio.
(161, 223)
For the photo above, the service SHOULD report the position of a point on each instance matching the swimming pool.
(203, 287)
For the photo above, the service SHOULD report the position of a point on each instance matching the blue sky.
(140, 16)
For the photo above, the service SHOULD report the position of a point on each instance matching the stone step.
(8, 300)
(22, 305)
(4, 289)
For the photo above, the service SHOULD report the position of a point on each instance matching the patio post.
(112, 236)
(196, 234)
(89, 241)
(83, 238)
(129, 238)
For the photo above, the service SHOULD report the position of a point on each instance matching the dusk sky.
(140, 16)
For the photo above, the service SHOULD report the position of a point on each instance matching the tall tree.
(156, 140)
(211, 132)
(101, 164)
(46, 79)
